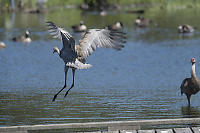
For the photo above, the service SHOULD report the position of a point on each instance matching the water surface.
(139, 82)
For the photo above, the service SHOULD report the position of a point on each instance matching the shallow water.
(139, 82)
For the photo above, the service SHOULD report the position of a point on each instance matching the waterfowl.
(25, 39)
(2, 45)
(116, 26)
(142, 22)
(103, 13)
(79, 28)
(185, 28)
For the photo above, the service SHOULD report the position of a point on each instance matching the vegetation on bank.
(32, 4)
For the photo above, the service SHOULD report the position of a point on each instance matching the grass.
(63, 2)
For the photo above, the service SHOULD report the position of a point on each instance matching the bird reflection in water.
(190, 112)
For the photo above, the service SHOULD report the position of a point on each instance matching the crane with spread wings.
(74, 56)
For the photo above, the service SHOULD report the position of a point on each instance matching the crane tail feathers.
(78, 65)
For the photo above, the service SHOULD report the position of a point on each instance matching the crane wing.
(101, 38)
(57, 32)
(185, 85)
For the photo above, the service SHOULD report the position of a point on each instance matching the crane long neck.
(195, 78)
(193, 70)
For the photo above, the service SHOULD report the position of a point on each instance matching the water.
(139, 82)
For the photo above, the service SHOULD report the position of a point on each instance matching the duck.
(116, 26)
(185, 28)
(2, 45)
(80, 28)
(25, 39)
(142, 22)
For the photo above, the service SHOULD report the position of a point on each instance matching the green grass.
(63, 2)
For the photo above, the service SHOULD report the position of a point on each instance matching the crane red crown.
(193, 60)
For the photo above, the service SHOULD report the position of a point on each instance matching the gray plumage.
(75, 56)
(190, 86)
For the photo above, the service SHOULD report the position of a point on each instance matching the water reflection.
(191, 112)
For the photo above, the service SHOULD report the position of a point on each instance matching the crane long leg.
(188, 98)
(73, 71)
(55, 96)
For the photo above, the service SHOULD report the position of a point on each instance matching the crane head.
(193, 60)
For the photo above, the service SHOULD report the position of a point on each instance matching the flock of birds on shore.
(74, 56)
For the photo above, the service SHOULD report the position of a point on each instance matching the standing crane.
(74, 56)
(190, 86)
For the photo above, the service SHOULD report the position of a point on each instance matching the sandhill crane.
(25, 39)
(190, 86)
(79, 28)
(185, 28)
(74, 56)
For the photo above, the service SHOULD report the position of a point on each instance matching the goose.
(74, 56)
(25, 39)
(79, 28)
(116, 26)
(185, 28)
(102, 13)
(142, 22)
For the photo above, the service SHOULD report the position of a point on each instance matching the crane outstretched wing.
(57, 32)
(101, 38)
